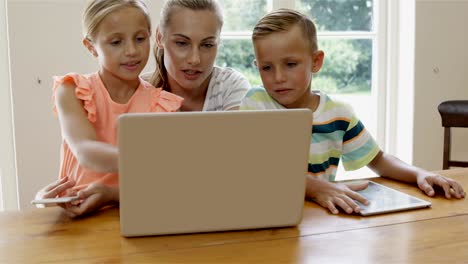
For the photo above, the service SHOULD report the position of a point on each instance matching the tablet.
(383, 199)
(58, 200)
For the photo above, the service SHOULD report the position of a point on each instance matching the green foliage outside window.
(339, 15)
(242, 15)
(348, 62)
(238, 54)
(347, 67)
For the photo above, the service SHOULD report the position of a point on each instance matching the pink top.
(103, 114)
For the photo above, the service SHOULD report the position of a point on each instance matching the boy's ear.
(317, 59)
(90, 47)
(159, 37)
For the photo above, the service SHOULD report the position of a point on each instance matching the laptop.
(191, 172)
(384, 199)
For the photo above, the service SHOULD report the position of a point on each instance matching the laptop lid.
(191, 172)
(384, 199)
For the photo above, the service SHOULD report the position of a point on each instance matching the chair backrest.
(454, 113)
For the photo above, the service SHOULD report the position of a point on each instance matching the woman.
(187, 42)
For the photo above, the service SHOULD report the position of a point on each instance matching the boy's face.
(286, 63)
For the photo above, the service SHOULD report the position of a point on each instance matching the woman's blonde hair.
(159, 77)
(282, 20)
(97, 10)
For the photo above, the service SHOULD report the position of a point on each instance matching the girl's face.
(190, 42)
(121, 44)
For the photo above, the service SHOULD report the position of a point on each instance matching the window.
(236, 49)
(350, 33)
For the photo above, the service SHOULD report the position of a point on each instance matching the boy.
(286, 55)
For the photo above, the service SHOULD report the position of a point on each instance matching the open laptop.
(386, 200)
(190, 172)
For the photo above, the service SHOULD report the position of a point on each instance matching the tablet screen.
(384, 200)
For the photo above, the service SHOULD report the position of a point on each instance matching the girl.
(187, 41)
(116, 33)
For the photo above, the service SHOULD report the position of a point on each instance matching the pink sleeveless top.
(103, 114)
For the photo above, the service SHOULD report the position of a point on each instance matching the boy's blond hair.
(282, 20)
(96, 10)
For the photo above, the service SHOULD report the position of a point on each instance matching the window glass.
(242, 15)
(347, 67)
(339, 15)
(238, 54)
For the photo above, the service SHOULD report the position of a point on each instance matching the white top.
(226, 89)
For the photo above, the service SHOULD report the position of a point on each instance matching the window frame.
(380, 57)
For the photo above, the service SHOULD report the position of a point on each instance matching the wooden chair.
(453, 114)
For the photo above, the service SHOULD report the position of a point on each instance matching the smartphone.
(65, 199)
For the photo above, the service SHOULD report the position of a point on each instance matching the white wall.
(45, 40)
(441, 73)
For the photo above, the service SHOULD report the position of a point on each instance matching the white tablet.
(383, 199)
(57, 200)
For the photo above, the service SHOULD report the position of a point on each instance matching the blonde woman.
(187, 41)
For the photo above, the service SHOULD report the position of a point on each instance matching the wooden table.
(435, 235)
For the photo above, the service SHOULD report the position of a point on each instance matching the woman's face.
(190, 42)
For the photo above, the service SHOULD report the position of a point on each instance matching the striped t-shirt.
(226, 89)
(336, 134)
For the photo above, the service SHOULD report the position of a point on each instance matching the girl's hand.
(426, 182)
(333, 195)
(54, 189)
(94, 197)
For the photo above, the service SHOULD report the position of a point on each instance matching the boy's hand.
(333, 195)
(426, 181)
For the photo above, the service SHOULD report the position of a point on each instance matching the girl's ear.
(90, 47)
(159, 37)
(317, 59)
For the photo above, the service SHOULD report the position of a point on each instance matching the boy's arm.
(389, 166)
(80, 134)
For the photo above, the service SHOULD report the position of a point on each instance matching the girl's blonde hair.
(159, 77)
(282, 20)
(97, 10)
